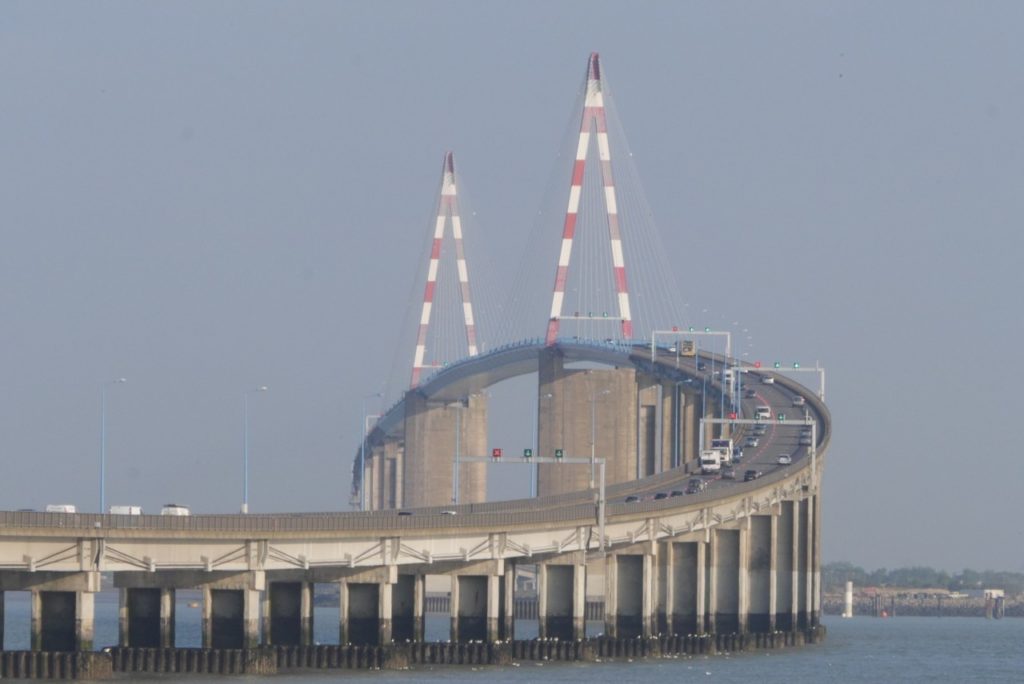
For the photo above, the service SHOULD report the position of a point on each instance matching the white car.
(785, 459)
(767, 380)
(752, 442)
(799, 401)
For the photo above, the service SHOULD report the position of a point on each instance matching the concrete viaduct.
(740, 557)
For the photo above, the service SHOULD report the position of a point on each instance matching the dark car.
(696, 485)
(701, 365)
(676, 492)
(660, 495)
(728, 473)
(632, 498)
(751, 394)
(751, 475)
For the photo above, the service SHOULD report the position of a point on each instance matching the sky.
(209, 197)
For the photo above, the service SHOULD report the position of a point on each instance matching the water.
(861, 649)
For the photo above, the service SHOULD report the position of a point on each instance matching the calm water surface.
(861, 649)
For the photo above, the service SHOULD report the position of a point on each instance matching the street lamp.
(593, 429)
(103, 439)
(536, 443)
(245, 445)
(362, 451)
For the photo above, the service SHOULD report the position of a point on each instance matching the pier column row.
(146, 617)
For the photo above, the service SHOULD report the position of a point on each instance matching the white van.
(61, 508)
(798, 400)
(126, 510)
(175, 509)
(762, 413)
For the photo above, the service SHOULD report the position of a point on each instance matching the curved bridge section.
(667, 549)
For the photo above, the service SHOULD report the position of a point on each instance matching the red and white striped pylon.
(593, 118)
(447, 207)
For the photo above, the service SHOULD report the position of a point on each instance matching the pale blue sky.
(206, 197)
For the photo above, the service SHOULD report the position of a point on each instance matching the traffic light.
(691, 328)
(782, 417)
(559, 454)
(495, 453)
(732, 416)
(527, 454)
(707, 329)
(796, 364)
(777, 364)
(757, 364)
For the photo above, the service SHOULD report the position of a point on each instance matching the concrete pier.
(561, 593)
(287, 614)
(435, 432)
(146, 617)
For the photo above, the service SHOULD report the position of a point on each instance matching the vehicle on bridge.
(60, 508)
(175, 509)
(710, 461)
(751, 474)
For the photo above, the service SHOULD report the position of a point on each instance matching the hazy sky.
(205, 197)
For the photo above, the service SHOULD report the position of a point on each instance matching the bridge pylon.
(593, 122)
(447, 210)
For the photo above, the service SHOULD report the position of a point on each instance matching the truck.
(126, 510)
(725, 447)
(710, 461)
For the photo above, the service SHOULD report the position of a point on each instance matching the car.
(632, 498)
(760, 429)
(676, 492)
(767, 380)
(805, 440)
(660, 495)
(799, 401)
(728, 473)
(449, 512)
(752, 442)
(784, 459)
(696, 485)
(701, 365)
(60, 508)
(750, 394)
(737, 454)
(751, 475)
(404, 512)
(175, 509)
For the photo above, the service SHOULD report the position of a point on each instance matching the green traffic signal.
(527, 453)
(691, 328)
(796, 364)
(559, 454)
(777, 364)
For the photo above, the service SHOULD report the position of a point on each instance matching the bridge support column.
(701, 598)
(360, 614)
(743, 581)
(800, 547)
(288, 614)
(728, 571)
(815, 563)
(786, 570)
(628, 600)
(406, 608)
(419, 605)
(1, 620)
(684, 588)
(760, 571)
(508, 617)
(561, 594)
(807, 554)
(146, 617)
(62, 621)
(666, 587)
(231, 618)
(711, 576)
(474, 607)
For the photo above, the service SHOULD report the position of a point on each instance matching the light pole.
(593, 429)
(536, 444)
(362, 451)
(245, 444)
(103, 439)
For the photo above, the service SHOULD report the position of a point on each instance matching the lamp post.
(362, 451)
(103, 439)
(593, 430)
(536, 444)
(245, 444)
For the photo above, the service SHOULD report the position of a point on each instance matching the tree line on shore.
(834, 577)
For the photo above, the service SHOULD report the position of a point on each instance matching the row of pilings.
(115, 662)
